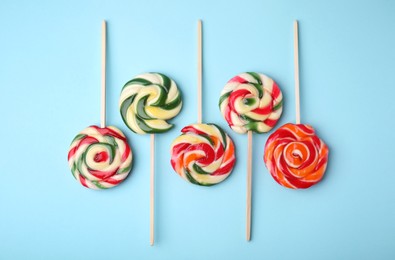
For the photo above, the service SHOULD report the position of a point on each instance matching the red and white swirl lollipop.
(100, 157)
(294, 155)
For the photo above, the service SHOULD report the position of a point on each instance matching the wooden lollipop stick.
(200, 70)
(152, 188)
(249, 182)
(103, 74)
(296, 64)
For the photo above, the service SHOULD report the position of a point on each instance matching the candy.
(295, 156)
(100, 158)
(251, 102)
(203, 154)
(147, 101)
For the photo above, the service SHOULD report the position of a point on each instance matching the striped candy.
(251, 102)
(100, 158)
(295, 156)
(147, 101)
(203, 154)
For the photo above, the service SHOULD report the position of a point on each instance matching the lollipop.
(100, 157)
(251, 102)
(203, 154)
(294, 155)
(146, 103)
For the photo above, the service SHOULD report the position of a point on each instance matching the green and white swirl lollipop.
(147, 102)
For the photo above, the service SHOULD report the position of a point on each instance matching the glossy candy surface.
(295, 156)
(203, 154)
(147, 101)
(251, 102)
(100, 158)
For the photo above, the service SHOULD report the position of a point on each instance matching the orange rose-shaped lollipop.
(295, 156)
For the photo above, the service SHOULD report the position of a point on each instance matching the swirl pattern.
(251, 102)
(100, 158)
(147, 101)
(203, 154)
(295, 156)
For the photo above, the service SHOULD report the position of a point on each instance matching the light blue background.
(50, 90)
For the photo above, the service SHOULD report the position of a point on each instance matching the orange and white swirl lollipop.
(294, 155)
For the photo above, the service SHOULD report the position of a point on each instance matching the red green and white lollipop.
(203, 154)
(251, 102)
(100, 157)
